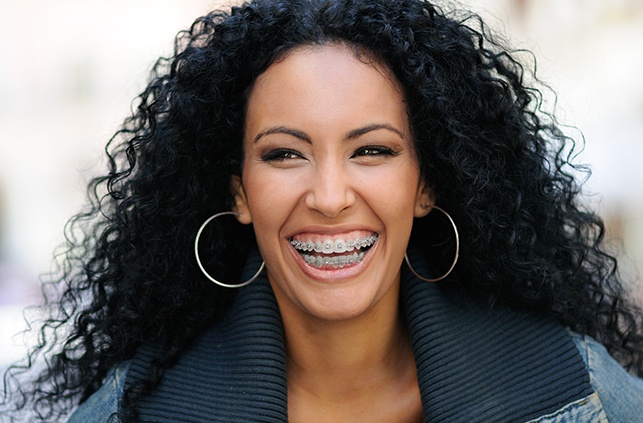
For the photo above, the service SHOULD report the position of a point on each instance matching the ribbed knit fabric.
(478, 365)
(474, 365)
(236, 372)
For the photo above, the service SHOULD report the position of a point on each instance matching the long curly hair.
(492, 157)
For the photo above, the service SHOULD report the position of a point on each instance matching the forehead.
(329, 83)
(327, 56)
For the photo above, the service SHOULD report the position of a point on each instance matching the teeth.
(338, 246)
(336, 262)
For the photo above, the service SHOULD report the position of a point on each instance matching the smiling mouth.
(331, 253)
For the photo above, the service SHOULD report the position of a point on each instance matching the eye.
(373, 151)
(280, 155)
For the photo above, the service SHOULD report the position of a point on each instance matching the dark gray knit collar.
(474, 365)
(480, 365)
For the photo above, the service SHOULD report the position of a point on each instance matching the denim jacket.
(241, 367)
(618, 396)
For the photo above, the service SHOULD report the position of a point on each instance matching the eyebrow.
(282, 130)
(355, 133)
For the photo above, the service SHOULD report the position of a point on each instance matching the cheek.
(267, 200)
(271, 197)
(393, 190)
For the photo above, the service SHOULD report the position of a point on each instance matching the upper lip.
(321, 238)
(331, 231)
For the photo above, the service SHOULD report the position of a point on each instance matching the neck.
(348, 358)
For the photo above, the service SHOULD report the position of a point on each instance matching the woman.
(332, 160)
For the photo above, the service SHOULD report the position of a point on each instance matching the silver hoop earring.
(455, 259)
(198, 259)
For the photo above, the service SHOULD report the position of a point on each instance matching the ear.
(423, 199)
(240, 200)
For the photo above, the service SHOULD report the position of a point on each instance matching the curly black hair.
(492, 156)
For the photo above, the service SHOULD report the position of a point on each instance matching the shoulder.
(619, 392)
(617, 396)
(102, 406)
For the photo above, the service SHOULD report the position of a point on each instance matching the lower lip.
(331, 274)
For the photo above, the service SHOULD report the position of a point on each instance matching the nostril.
(330, 194)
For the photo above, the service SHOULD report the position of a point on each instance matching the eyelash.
(280, 155)
(373, 150)
(283, 154)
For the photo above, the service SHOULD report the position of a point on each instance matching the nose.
(331, 190)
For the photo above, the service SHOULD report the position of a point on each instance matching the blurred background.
(70, 69)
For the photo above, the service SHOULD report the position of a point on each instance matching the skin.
(328, 154)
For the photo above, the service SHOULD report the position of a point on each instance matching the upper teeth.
(329, 246)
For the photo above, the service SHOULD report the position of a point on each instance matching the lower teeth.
(335, 262)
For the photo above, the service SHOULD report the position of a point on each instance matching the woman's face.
(330, 182)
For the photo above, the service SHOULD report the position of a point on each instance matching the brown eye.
(280, 154)
(370, 151)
